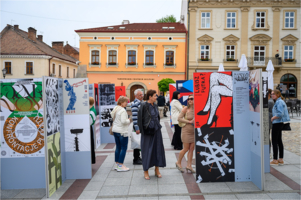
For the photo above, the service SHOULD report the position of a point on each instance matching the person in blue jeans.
(120, 129)
(280, 115)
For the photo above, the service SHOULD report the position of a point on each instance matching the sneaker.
(274, 162)
(115, 167)
(122, 169)
(137, 162)
(280, 162)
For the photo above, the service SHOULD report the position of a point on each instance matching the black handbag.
(149, 131)
(286, 127)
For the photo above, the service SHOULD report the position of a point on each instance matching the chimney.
(16, 27)
(32, 33)
(126, 22)
(40, 37)
(59, 46)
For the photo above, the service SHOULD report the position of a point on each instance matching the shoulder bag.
(286, 127)
(111, 129)
(182, 124)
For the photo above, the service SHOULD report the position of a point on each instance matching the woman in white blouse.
(176, 109)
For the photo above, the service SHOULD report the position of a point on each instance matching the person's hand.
(138, 132)
(191, 122)
(272, 119)
(131, 120)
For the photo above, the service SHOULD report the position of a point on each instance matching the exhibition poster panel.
(266, 121)
(106, 119)
(52, 127)
(119, 91)
(96, 98)
(22, 124)
(185, 88)
(256, 129)
(107, 94)
(172, 89)
(76, 107)
(241, 115)
(93, 92)
(214, 126)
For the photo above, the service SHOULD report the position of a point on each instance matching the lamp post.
(4, 72)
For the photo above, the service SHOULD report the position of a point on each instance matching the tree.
(164, 84)
(167, 19)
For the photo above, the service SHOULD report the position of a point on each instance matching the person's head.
(175, 95)
(91, 101)
(151, 96)
(138, 94)
(122, 101)
(269, 93)
(167, 92)
(161, 93)
(276, 94)
(190, 101)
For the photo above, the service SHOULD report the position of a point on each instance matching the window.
(205, 51)
(169, 57)
(289, 20)
(288, 52)
(73, 73)
(231, 19)
(205, 20)
(132, 57)
(53, 68)
(60, 70)
(290, 81)
(260, 19)
(29, 68)
(8, 67)
(149, 57)
(112, 57)
(259, 55)
(95, 58)
(230, 52)
(67, 72)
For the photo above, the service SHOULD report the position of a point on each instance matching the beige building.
(25, 55)
(221, 31)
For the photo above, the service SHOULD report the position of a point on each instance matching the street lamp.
(4, 72)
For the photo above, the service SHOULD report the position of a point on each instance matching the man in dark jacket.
(161, 103)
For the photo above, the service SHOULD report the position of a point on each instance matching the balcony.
(131, 64)
(95, 64)
(112, 64)
(263, 61)
(289, 61)
(169, 65)
(149, 65)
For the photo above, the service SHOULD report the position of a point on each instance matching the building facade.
(136, 55)
(221, 31)
(25, 55)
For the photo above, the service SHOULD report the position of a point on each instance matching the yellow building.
(25, 55)
(221, 31)
(134, 55)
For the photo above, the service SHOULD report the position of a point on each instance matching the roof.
(140, 27)
(16, 42)
(76, 48)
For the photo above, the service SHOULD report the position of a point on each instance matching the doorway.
(133, 88)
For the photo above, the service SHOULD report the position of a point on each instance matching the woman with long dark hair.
(176, 109)
(152, 147)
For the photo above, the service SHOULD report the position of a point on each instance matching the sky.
(57, 20)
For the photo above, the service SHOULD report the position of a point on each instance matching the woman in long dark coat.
(152, 147)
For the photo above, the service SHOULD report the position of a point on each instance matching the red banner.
(119, 91)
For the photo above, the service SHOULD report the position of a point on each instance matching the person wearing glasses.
(187, 136)
(280, 115)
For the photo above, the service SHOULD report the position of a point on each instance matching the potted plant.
(204, 59)
(112, 63)
(131, 63)
(95, 63)
(169, 63)
(231, 59)
(289, 60)
(149, 63)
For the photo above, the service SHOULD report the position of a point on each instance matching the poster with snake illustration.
(21, 117)
(213, 97)
(76, 90)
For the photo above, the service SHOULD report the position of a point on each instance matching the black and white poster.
(106, 119)
(106, 94)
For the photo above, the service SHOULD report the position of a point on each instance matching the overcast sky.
(57, 20)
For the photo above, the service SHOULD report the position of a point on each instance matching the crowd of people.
(146, 124)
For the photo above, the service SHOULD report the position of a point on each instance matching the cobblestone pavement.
(292, 139)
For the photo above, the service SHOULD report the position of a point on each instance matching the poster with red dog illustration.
(213, 97)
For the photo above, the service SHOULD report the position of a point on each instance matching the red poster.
(172, 88)
(119, 91)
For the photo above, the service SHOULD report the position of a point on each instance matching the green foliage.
(167, 19)
(164, 84)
